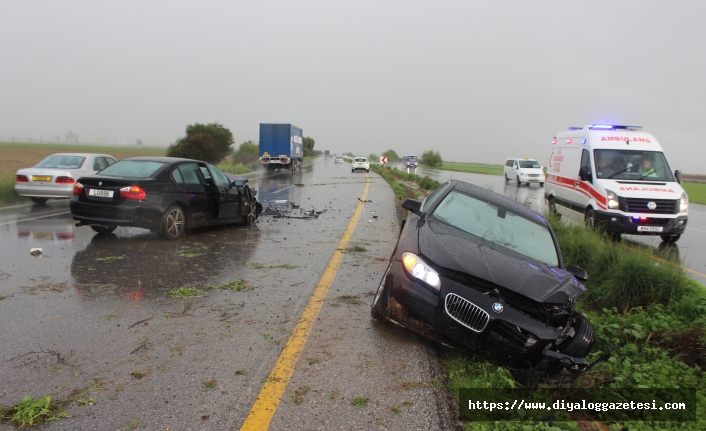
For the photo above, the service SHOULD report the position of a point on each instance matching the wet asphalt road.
(91, 318)
(690, 251)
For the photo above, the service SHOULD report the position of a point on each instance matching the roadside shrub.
(431, 159)
(7, 190)
(207, 142)
(247, 153)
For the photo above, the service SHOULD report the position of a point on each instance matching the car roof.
(79, 154)
(497, 199)
(163, 159)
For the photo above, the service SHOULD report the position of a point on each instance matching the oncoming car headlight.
(419, 269)
(612, 199)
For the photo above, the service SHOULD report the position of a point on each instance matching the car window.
(59, 161)
(429, 199)
(361, 159)
(99, 163)
(497, 225)
(205, 173)
(509, 163)
(191, 173)
(220, 178)
(110, 160)
(529, 164)
(176, 176)
(132, 168)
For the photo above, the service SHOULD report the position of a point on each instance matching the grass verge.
(7, 190)
(475, 168)
(696, 192)
(405, 185)
(237, 168)
(33, 411)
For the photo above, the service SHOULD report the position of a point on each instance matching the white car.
(360, 163)
(524, 171)
(54, 177)
(339, 158)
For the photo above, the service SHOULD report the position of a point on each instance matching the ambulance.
(619, 179)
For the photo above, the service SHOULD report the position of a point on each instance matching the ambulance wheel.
(670, 239)
(590, 219)
(552, 207)
(541, 184)
(615, 236)
(519, 183)
(507, 180)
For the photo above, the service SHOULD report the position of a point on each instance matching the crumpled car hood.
(449, 248)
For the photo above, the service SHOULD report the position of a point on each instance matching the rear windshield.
(497, 225)
(529, 164)
(132, 168)
(361, 159)
(61, 162)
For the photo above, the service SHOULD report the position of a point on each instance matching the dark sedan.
(164, 194)
(477, 271)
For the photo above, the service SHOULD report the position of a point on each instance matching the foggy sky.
(478, 81)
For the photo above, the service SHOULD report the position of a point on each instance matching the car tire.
(173, 223)
(551, 207)
(541, 184)
(507, 180)
(670, 239)
(40, 201)
(519, 183)
(590, 219)
(104, 229)
(615, 236)
(581, 343)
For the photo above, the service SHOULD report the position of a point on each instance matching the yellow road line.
(667, 262)
(271, 393)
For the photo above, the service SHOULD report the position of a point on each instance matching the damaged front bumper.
(472, 320)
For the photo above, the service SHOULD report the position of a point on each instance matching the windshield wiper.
(619, 172)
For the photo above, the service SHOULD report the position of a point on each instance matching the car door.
(226, 202)
(197, 194)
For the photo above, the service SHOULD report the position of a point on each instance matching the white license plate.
(649, 228)
(100, 193)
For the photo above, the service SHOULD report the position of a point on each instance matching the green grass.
(7, 190)
(33, 411)
(235, 286)
(476, 168)
(394, 178)
(237, 169)
(360, 402)
(186, 292)
(696, 192)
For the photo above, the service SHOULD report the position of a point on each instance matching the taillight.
(22, 179)
(133, 192)
(64, 180)
(78, 188)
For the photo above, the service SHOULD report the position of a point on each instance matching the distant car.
(360, 163)
(164, 194)
(54, 176)
(339, 159)
(524, 171)
(477, 271)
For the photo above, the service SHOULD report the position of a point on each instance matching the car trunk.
(94, 187)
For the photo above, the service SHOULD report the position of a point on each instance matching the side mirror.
(412, 205)
(254, 192)
(577, 272)
(584, 174)
(677, 175)
(239, 183)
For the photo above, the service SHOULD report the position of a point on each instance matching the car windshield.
(412, 158)
(132, 168)
(632, 165)
(529, 164)
(61, 162)
(497, 225)
(361, 159)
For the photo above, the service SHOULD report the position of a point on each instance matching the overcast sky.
(479, 81)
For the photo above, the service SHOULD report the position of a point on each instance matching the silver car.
(54, 176)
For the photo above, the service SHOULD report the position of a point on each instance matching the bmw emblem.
(498, 307)
(100, 183)
(651, 205)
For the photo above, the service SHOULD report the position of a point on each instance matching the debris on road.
(364, 200)
(35, 251)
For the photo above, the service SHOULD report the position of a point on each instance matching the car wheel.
(173, 223)
(551, 207)
(104, 229)
(379, 306)
(541, 184)
(590, 219)
(670, 239)
(581, 343)
(615, 236)
(39, 200)
(507, 180)
(519, 183)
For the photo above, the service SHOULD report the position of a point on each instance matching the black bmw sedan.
(477, 271)
(164, 194)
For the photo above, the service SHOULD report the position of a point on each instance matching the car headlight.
(419, 269)
(683, 203)
(524, 175)
(612, 199)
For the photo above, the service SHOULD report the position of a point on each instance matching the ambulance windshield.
(632, 165)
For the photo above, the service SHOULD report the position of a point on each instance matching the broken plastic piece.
(35, 251)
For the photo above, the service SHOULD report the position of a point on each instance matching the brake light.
(78, 188)
(133, 192)
(64, 180)
(22, 179)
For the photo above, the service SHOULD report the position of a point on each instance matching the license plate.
(100, 193)
(649, 228)
(40, 178)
